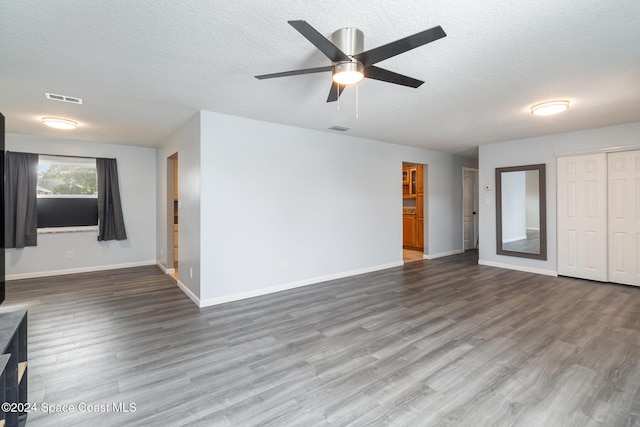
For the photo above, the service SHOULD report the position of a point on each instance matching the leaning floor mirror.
(521, 211)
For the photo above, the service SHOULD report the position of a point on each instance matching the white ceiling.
(143, 67)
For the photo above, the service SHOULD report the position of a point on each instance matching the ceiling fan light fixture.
(348, 73)
(59, 123)
(350, 63)
(549, 108)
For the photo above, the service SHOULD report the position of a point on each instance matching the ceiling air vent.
(63, 98)
(340, 128)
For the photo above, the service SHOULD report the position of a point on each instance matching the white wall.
(285, 206)
(186, 142)
(533, 151)
(136, 170)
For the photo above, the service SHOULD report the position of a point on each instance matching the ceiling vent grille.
(339, 128)
(63, 98)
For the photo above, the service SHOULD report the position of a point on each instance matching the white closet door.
(582, 216)
(624, 217)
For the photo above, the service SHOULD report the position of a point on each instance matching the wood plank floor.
(409, 255)
(431, 343)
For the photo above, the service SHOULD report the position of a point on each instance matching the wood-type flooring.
(409, 255)
(432, 343)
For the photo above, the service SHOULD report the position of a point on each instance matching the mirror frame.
(541, 168)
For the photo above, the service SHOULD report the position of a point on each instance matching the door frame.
(425, 206)
(476, 206)
(170, 190)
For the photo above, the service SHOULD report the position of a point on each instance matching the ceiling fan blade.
(295, 72)
(321, 42)
(397, 47)
(377, 73)
(335, 92)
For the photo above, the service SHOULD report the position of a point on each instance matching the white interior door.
(582, 216)
(624, 217)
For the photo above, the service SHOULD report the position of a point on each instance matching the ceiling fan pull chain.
(338, 90)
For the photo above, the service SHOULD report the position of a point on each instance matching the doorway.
(469, 209)
(173, 205)
(413, 211)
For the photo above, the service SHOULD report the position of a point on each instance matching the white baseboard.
(279, 288)
(188, 292)
(443, 254)
(519, 268)
(77, 270)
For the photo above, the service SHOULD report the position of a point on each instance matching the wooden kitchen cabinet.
(409, 181)
(413, 178)
(409, 236)
(420, 204)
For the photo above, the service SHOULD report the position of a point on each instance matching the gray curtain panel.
(21, 192)
(110, 219)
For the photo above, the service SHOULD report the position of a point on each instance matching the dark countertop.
(9, 323)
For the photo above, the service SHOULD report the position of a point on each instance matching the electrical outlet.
(285, 266)
(69, 254)
(161, 252)
(190, 273)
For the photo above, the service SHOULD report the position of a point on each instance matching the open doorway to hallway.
(172, 215)
(413, 211)
(469, 209)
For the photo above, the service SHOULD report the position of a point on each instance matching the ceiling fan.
(350, 64)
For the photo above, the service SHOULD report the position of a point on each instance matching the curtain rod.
(64, 155)
(67, 155)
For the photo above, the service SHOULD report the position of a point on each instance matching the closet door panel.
(582, 216)
(624, 217)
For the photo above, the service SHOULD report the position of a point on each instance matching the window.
(67, 192)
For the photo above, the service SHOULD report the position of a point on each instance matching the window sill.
(52, 230)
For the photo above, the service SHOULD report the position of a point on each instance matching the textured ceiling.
(143, 67)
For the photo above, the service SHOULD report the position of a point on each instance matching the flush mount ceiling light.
(58, 123)
(549, 108)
